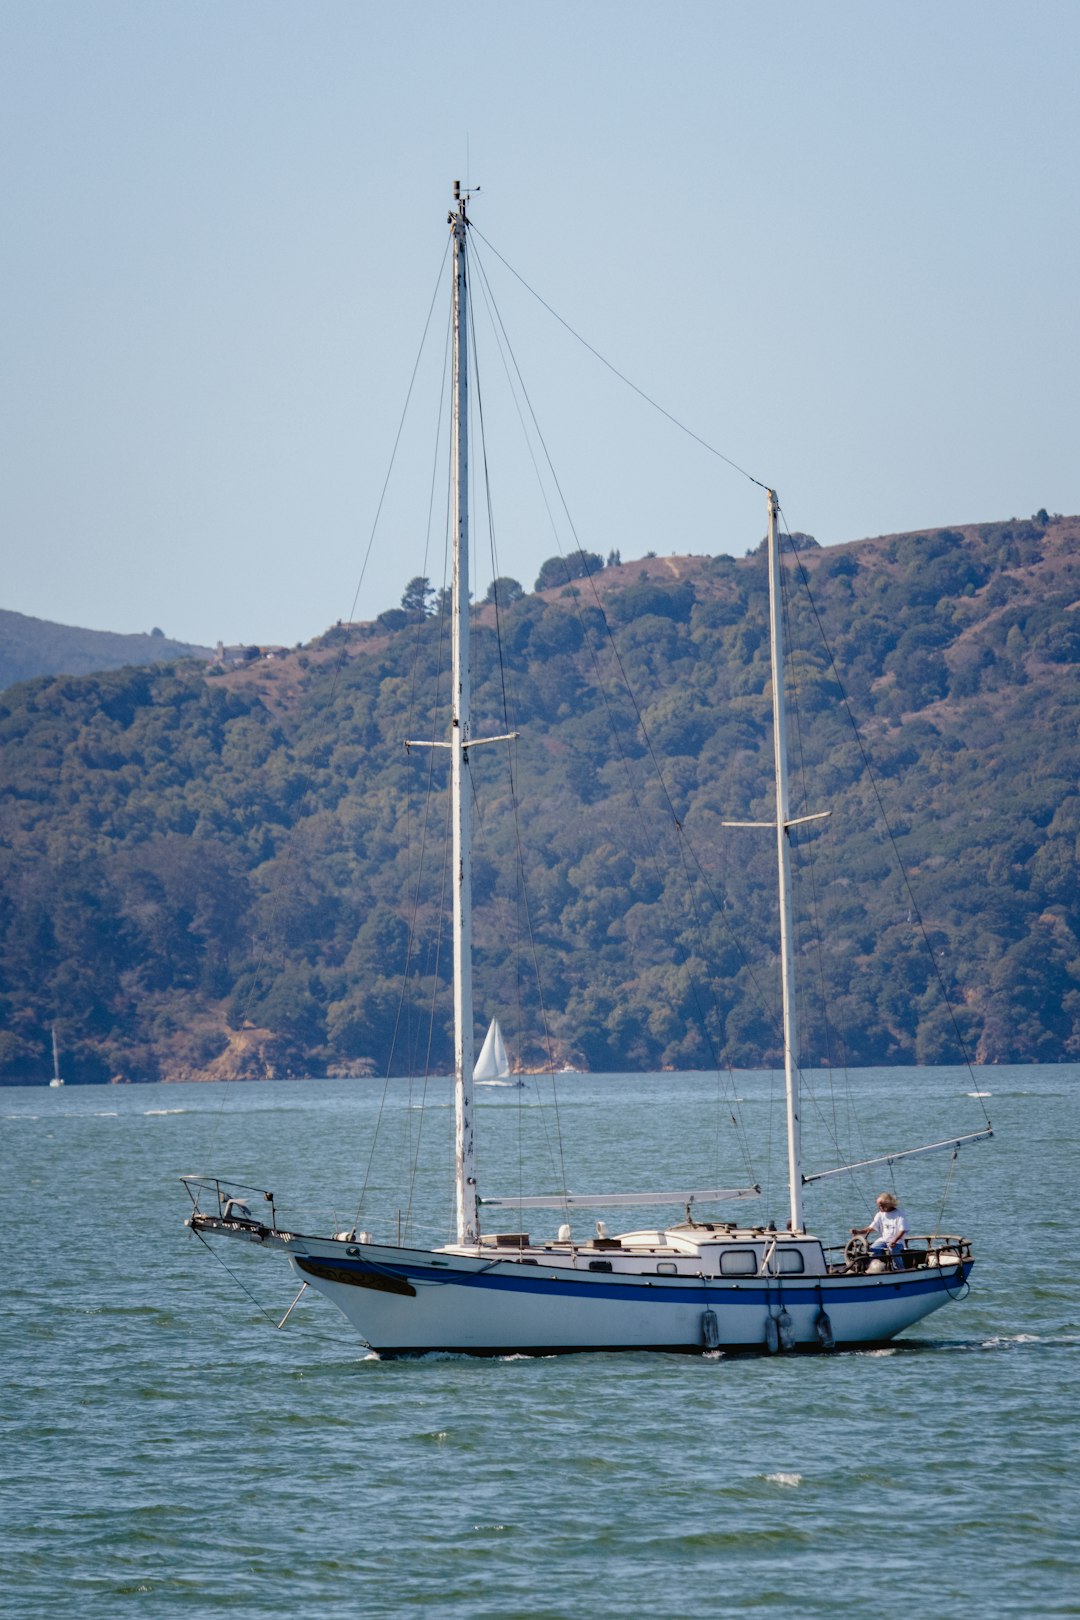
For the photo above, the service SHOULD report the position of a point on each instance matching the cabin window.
(599, 1265)
(738, 1263)
(791, 1261)
(666, 1266)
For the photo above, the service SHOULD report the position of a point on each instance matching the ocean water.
(167, 1451)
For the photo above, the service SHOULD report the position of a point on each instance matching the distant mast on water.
(56, 1078)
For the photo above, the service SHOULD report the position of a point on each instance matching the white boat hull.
(476, 1307)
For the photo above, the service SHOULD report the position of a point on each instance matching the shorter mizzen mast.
(783, 863)
(782, 826)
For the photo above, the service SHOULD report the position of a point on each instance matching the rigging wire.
(855, 1129)
(509, 722)
(432, 1000)
(288, 853)
(872, 778)
(946, 1191)
(588, 575)
(711, 448)
(424, 833)
(623, 676)
(855, 1124)
(808, 847)
(505, 348)
(238, 1280)
(743, 471)
(681, 842)
(400, 428)
(515, 806)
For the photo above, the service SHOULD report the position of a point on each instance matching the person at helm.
(886, 1231)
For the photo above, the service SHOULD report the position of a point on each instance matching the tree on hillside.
(794, 541)
(564, 570)
(504, 591)
(417, 597)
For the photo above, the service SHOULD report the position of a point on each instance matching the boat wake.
(996, 1341)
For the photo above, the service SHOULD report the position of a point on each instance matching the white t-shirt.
(888, 1225)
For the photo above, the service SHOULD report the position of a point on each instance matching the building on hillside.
(229, 657)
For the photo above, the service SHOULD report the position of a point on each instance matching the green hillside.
(30, 647)
(210, 872)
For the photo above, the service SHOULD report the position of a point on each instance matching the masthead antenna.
(464, 193)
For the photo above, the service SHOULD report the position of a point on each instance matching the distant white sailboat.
(56, 1078)
(694, 1283)
(493, 1065)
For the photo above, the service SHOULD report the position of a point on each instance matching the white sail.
(493, 1063)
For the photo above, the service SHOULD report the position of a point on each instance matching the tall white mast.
(468, 1226)
(783, 862)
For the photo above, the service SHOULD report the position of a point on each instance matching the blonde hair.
(887, 1200)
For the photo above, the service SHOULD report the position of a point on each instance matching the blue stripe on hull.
(838, 1290)
(525, 1311)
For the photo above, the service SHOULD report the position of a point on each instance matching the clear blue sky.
(839, 240)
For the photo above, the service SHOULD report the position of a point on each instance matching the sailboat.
(493, 1065)
(696, 1284)
(56, 1077)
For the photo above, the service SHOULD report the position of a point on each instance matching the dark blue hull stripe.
(835, 1290)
